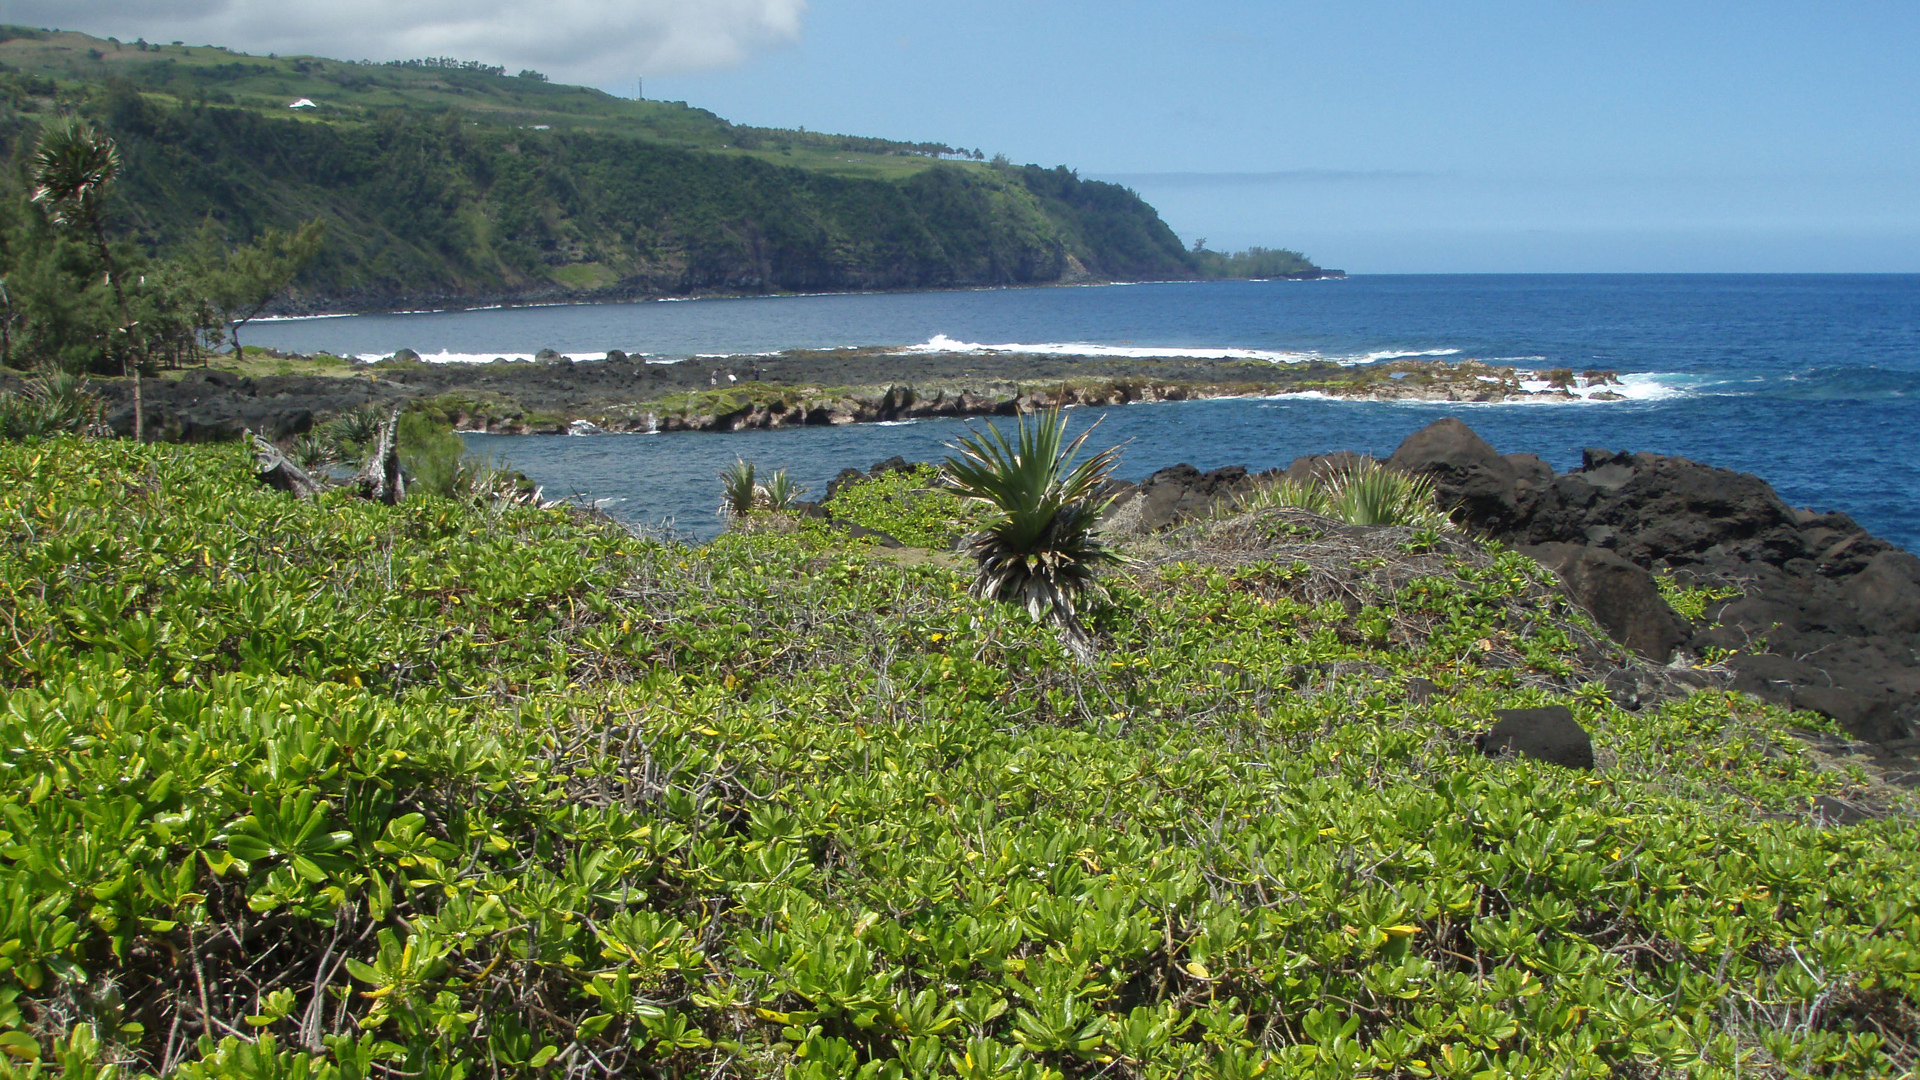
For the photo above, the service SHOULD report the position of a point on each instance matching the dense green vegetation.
(911, 506)
(1255, 262)
(73, 301)
(336, 789)
(454, 182)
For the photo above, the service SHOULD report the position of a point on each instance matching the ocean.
(1810, 381)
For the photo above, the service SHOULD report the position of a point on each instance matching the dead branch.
(277, 471)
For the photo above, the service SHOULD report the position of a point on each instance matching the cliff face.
(431, 209)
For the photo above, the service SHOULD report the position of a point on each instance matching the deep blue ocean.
(1810, 381)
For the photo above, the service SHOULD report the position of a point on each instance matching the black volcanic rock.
(1178, 493)
(1621, 596)
(1498, 492)
(1827, 617)
(1549, 733)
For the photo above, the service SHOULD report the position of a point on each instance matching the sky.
(1375, 135)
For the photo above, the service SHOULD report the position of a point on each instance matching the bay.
(1810, 381)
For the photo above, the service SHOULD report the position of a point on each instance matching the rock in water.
(1550, 734)
(1621, 597)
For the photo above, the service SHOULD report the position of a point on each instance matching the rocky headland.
(557, 395)
(1817, 613)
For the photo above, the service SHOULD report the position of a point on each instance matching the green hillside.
(444, 181)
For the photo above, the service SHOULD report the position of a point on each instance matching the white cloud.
(598, 42)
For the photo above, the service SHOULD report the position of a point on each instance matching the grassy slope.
(355, 92)
(560, 795)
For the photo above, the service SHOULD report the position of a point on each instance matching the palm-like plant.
(1367, 493)
(70, 170)
(738, 493)
(781, 492)
(1038, 549)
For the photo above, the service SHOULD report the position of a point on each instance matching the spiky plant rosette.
(1370, 493)
(70, 169)
(782, 492)
(739, 494)
(1038, 549)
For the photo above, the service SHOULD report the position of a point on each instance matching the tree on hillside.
(241, 282)
(70, 171)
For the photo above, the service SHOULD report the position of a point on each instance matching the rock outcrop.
(1827, 616)
(1175, 494)
(1622, 597)
(1549, 734)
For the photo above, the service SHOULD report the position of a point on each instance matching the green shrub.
(423, 790)
(912, 505)
(1690, 603)
(434, 456)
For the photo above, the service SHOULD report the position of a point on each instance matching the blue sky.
(1591, 135)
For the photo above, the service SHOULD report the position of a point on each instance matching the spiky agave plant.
(1308, 494)
(781, 492)
(53, 405)
(354, 429)
(738, 492)
(1370, 493)
(1038, 549)
(313, 450)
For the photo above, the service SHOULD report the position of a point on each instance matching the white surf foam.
(941, 343)
(301, 318)
(1402, 354)
(445, 357)
(1640, 386)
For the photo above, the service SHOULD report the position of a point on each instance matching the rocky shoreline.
(1820, 614)
(556, 395)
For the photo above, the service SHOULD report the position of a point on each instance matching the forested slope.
(430, 203)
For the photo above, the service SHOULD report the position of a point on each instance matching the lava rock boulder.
(1549, 734)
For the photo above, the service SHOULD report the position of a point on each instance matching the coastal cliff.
(461, 186)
